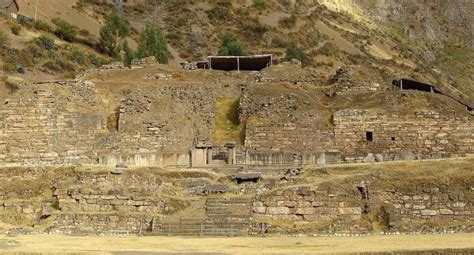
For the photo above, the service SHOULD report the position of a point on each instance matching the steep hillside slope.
(424, 40)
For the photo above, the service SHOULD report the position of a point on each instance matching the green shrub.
(260, 4)
(129, 55)
(96, 61)
(293, 52)
(15, 28)
(77, 56)
(3, 38)
(44, 42)
(114, 31)
(230, 46)
(152, 43)
(64, 30)
(43, 26)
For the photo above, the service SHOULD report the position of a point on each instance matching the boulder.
(407, 155)
(116, 171)
(370, 158)
(378, 157)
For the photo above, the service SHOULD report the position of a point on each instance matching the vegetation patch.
(228, 126)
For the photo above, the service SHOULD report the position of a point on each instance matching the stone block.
(318, 204)
(458, 205)
(445, 211)
(259, 209)
(370, 158)
(305, 210)
(378, 157)
(278, 210)
(419, 206)
(429, 212)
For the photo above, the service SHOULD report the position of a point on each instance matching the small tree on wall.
(230, 46)
(152, 43)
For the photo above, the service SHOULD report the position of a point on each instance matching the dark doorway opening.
(369, 136)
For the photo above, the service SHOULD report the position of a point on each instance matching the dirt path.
(240, 245)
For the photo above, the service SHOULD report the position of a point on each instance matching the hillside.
(432, 42)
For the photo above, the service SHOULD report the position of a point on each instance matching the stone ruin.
(61, 122)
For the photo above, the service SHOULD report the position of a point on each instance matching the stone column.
(209, 156)
(231, 155)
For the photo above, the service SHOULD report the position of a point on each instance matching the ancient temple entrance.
(205, 154)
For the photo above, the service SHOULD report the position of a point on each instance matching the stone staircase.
(224, 217)
(228, 216)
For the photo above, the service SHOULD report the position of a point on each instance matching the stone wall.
(287, 137)
(64, 122)
(36, 128)
(425, 134)
(307, 204)
(413, 206)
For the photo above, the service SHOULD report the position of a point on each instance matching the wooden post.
(210, 63)
(238, 63)
(401, 84)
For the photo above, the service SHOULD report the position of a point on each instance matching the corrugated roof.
(249, 63)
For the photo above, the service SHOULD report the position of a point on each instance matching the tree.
(112, 34)
(152, 43)
(129, 55)
(230, 46)
(64, 30)
(293, 52)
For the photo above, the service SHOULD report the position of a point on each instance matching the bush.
(15, 28)
(220, 11)
(44, 42)
(152, 43)
(288, 22)
(3, 38)
(129, 55)
(230, 46)
(96, 61)
(43, 26)
(111, 34)
(77, 56)
(64, 30)
(260, 4)
(293, 52)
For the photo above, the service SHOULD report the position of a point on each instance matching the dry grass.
(240, 245)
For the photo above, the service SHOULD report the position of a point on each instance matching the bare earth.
(239, 245)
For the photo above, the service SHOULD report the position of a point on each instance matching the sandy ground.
(238, 245)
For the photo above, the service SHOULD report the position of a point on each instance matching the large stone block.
(305, 210)
(429, 212)
(259, 209)
(278, 210)
(445, 211)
